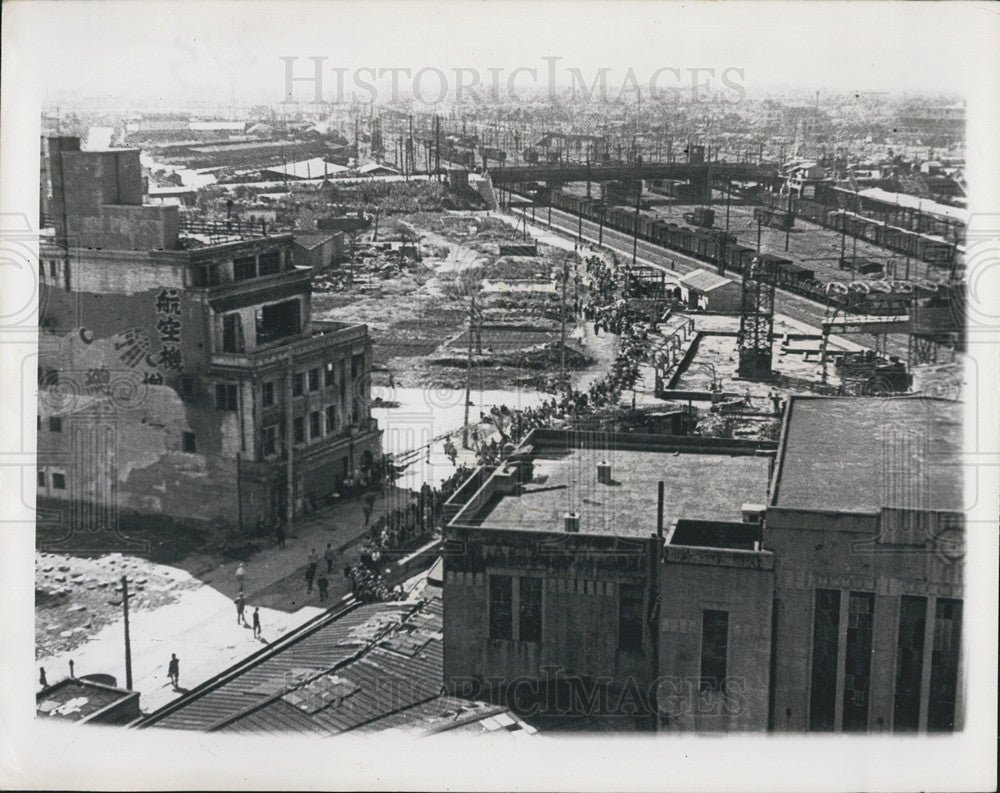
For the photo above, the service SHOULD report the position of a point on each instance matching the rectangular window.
(315, 425)
(41, 477)
(314, 379)
(298, 384)
(328, 375)
(630, 617)
(232, 333)
(823, 690)
(530, 610)
(55, 424)
(270, 440)
(357, 365)
(269, 263)
(858, 661)
(714, 649)
(501, 607)
(944, 665)
(267, 394)
(52, 268)
(331, 419)
(909, 663)
(299, 429)
(244, 268)
(58, 481)
(225, 396)
(188, 443)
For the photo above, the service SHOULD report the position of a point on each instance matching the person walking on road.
(279, 533)
(240, 575)
(174, 670)
(256, 623)
(240, 606)
(310, 575)
(329, 554)
(323, 585)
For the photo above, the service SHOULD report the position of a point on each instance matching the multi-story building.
(180, 370)
(815, 586)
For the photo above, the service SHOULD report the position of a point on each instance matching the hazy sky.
(167, 50)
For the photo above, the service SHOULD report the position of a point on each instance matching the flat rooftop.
(856, 454)
(708, 483)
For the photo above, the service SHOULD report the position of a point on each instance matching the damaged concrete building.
(180, 370)
(701, 584)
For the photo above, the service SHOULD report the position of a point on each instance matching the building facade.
(180, 370)
(812, 587)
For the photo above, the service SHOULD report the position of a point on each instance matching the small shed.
(318, 250)
(711, 292)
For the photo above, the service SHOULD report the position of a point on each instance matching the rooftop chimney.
(571, 522)
(604, 472)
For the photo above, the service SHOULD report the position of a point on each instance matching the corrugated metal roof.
(380, 666)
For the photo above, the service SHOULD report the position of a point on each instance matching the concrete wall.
(580, 610)
(844, 552)
(740, 583)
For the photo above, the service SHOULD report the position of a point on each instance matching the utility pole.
(729, 190)
(562, 328)
(788, 220)
(289, 444)
(128, 642)
(468, 375)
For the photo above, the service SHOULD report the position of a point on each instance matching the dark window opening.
(355, 411)
(357, 365)
(714, 649)
(225, 396)
(501, 607)
(52, 268)
(823, 689)
(299, 430)
(298, 384)
(269, 263)
(314, 379)
(270, 440)
(41, 478)
(630, 617)
(328, 375)
(267, 394)
(944, 665)
(244, 268)
(55, 424)
(909, 663)
(331, 419)
(530, 610)
(58, 481)
(858, 660)
(278, 321)
(188, 443)
(232, 333)
(187, 386)
(315, 429)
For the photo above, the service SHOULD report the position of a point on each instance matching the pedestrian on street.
(256, 623)
(329, 555)
(279, 533)
(322, 584)
(174, 670)
(240, 606)
(261, 526)
(240, 575)
(367, 510)
(310, 575)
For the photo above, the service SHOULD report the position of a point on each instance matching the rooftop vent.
(604, 472)
(571, 522)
